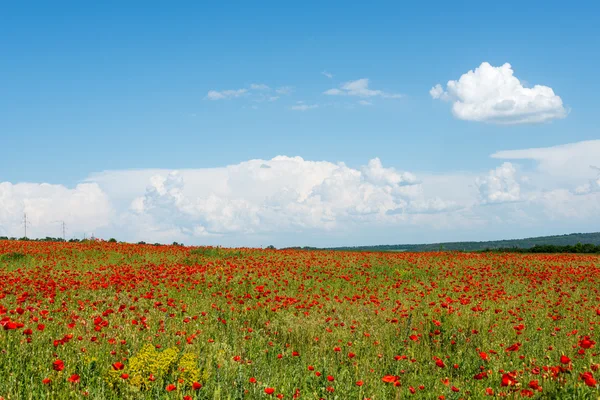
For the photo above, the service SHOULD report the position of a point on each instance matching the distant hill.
(559, 240)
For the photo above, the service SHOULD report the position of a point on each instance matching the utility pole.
(64, 228)
(25, 224)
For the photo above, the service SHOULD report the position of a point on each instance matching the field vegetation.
(103, 320)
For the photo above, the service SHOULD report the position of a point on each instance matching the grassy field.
(120, 321)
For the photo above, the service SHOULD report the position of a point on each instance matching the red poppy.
(118, 366)
(196, 385)
(588, 379)
(58, 365)
(269, 390)
(508, 380)
(170, 387)
(564, 359)
(586, 343)
(73, 378)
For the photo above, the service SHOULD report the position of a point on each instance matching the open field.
(110, 321)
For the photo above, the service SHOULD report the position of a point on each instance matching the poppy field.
(105, 320)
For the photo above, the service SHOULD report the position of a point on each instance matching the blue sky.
(115, 86)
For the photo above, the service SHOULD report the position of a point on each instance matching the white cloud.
(360, 88)
(327, 74)
(567, 165)
(437, 92)
(256, 92)
(303, 107)
(257, 197)
(289, 201)
(500, 185)
(84, 208)
(494, 94)
(225, 94)
(365, 103)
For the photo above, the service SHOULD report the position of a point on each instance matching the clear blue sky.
(114, 85)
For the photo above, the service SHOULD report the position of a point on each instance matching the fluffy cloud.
(84, 208)
(291, 201)
(494, 94)
(500, 185)
(284, 193)
(360, 88)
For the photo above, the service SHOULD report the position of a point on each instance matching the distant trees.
(579, 248)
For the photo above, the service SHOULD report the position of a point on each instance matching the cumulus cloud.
(495, 95)
(500, 185)
(262, 197)
(84, 208)
(276, 200)
(281, 193)
(360, 88)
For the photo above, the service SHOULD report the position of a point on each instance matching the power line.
(25, 224)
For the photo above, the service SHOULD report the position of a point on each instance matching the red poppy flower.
(269, 390)
(508, 380)
(170, 387)
(58, 365)
(74, 378)
(118, 366)
(588, 379)
(564, 359)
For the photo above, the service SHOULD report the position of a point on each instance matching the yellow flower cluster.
(151, 362)
(188, 368)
